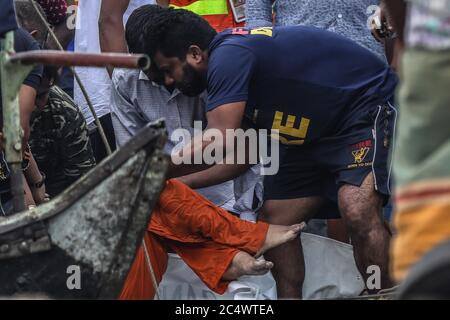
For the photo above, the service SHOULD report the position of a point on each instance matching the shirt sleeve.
(23, 41)
(127, 121)
(229, 73)
(258, 13)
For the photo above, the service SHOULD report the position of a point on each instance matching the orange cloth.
(138, 285)
(421, 221)
(206, 237)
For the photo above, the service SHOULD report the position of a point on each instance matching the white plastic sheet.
(330, 273)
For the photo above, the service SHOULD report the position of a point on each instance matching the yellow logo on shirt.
(288, 128)
(266, 31)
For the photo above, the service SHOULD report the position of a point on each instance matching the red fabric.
(206, 237)
(55, 10)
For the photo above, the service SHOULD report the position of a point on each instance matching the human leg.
(289, 266)
(361, 209)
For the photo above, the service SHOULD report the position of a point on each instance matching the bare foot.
(277, 235)
(244, 264)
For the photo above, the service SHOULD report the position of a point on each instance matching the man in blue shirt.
(328, 98)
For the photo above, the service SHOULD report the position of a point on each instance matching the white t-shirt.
(96, 80)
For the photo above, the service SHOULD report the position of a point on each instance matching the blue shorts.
(322, 167)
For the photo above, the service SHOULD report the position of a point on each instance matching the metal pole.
(150, 269)
(11, 80)
(58, 58)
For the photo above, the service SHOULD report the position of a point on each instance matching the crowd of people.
(357, 91)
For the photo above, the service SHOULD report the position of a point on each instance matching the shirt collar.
(144, 77)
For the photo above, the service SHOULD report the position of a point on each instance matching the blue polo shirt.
(7, 17)
(309, 82)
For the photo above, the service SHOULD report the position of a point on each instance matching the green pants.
(423, 138)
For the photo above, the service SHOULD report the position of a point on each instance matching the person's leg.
(337, 230)
(361, 209)
(185, 216)
(216, 264)
(289, 265)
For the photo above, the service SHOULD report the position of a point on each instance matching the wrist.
(39, 183)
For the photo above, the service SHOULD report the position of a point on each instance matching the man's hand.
(380, 26)
(223, 118)
(111, 30)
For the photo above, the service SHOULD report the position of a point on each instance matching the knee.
(356, 220)
(268, 214)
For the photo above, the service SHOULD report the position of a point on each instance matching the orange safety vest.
(217, 12)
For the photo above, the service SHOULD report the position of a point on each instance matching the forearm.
(36, 181)
(112, 34)
(215, 175)
(27, 97)
(180, 170)
(110, 24)
(32, 173)
(28, 196)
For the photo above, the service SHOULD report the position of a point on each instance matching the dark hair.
(135, 26)
(173, 31)
(29, 19)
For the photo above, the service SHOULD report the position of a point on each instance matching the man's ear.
(34, 33)
(195, 55)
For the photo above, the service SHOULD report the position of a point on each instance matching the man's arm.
(215, 175)
(35, 181)
(228, 116)
(110, 25)
(27, 97)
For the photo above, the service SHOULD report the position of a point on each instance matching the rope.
(150, 269)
